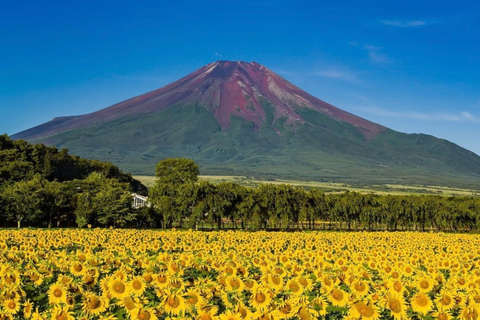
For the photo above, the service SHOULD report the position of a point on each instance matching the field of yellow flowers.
(143, 274)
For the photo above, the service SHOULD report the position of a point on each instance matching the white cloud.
(216, 54)
(338, 74)
(283, 72)
(375, 55)
(369, 47)
(467, 115)
(378, 58)
(145, 78)
(404, 23)
(463, 116)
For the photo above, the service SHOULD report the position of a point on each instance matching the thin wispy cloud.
(404, 23)
(338, 74)
(375, 55)
(463, 116)
(216, 54)
(283, 72)
(143, 78)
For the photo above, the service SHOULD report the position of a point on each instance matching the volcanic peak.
(226, 89)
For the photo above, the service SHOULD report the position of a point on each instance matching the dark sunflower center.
(57, 292)
(119, 287)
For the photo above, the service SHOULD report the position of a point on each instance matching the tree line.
(179, 199)
(44, 187)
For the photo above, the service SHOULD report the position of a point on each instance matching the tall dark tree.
(173, 176)
(24, 200)
(177, 171)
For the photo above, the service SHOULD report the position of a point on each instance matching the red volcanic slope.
(225, 88)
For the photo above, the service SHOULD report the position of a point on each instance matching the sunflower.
(275, 281)
(245, 313)
(260, 299)
(460, 300)
(229, 315)
(77, 269)
(285, 309)
(262, 316)
(445, 301)
(174, 303)
(117, 288)
(408, 270)
(108, 317)
(136, 286)
(328, 283)
(442, 315)
(366, 310)
(36, 315)
(474, 298)
(338, 297)
(147, 277)
(425, 284)
(27, 308)
(294, 287)
(396, 287)
(161, 280)
(305, 282)
(421, 303)
(469, 313)
(320, 305)
(6, 316)
(57, 294)
(176, 283)
(143, 314)
(64, 280)
(250, 284)
(94, 305)
(305, 314)
(461, 283)
(396, 305)
(192, 297)
(129, 303)
(10, 277)
(207, 312)
(11, 306)
(70, 302)
(35, 277)
(62, 313)
(359, 288)
(234, 283)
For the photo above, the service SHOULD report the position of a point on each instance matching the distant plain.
(331, 187)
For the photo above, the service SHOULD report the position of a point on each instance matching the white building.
(140, 201)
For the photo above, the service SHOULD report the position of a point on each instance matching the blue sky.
(413, 66)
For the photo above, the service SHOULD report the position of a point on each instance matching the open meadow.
(395, 189)
(146, 274)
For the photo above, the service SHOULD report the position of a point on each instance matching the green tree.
(174, 175)
(232, 195)
(24, 200)
(113, 204)
(177, 171)
(104, 201)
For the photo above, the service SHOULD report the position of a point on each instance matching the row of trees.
(44, 186)
(179, 199)
(42, 203)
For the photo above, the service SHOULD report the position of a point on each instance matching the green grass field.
(149, 181)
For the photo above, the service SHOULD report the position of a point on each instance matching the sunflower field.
(145, 274)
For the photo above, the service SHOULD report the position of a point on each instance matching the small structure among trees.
(139, 201)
